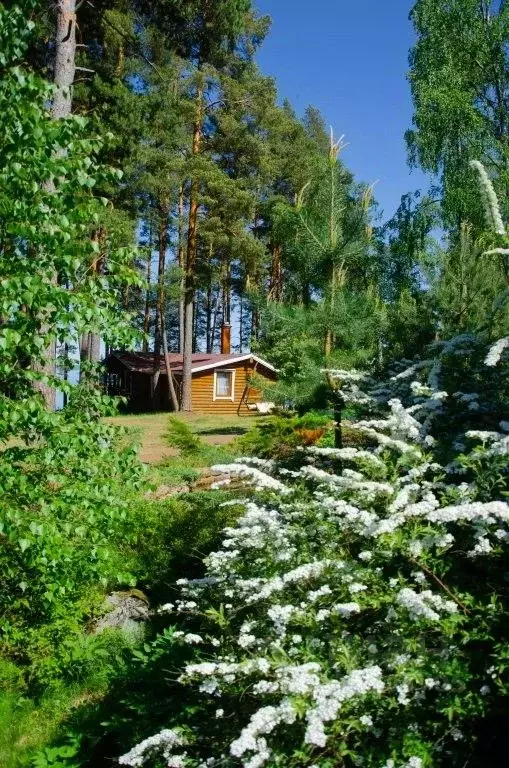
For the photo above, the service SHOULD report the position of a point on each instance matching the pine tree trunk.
(226, 293)
(63, 78)
(208, 303)
(169, 375)
(164, 212)
(186, 401)
(214, 321)
(241, 322)
(181, 263)
(196, 314)
(208, 319)
(187, 404)
(146, 315)
(276, 275)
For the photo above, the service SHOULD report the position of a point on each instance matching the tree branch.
(441, 584)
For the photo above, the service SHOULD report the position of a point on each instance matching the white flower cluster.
(348, 480)
(425, 605)
(491, 204)
(188, 637)
(162, 744)
(495, 353)
(371, 429)
(261, 724)
(260, 480)
(256, 590)
(412, 762)
(347, 454)
(487, 512)
(327, 573)
(344, 375)
(328, 699)
(498, 442)
(409, 371)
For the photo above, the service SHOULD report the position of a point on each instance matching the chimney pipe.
(226, 339)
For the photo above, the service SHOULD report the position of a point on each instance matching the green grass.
(28, 724)
(149, 429)
(194, 452)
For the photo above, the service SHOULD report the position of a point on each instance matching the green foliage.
(293, 339)
(279, 436)
(177, 472)
(28, 724)
(182, 437)
(64, 756)
(194, 453)
(64, 522)
(467, 290)
(408, 324)
(64, 478)
(174, 535)
(405, 247)
(48, 174)
(458, 77)
(346, 617)
(171, 535)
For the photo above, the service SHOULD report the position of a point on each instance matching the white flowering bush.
(357, 613)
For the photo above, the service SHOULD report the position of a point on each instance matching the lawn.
(150, 428)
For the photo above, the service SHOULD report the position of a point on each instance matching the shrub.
(279, 436)
(173, 535)
(27, 724)
(194, 454)
(357, 613)
(65, 527)
(181, 436)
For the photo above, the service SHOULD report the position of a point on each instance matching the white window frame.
(231, 397)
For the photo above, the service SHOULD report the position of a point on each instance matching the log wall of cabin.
(136, 386)
(203, 391)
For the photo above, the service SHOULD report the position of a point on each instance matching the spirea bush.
(357, 613)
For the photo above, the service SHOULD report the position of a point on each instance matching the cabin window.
(224, 385)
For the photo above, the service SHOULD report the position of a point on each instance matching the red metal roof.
(146, 362)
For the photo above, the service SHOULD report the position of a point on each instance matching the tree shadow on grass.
(222, 431)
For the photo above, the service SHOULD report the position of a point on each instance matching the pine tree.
(208, 35)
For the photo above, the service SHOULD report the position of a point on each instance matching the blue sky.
(350, 60)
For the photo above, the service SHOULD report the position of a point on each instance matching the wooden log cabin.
(221, 383)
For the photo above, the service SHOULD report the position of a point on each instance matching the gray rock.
(126, 611)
